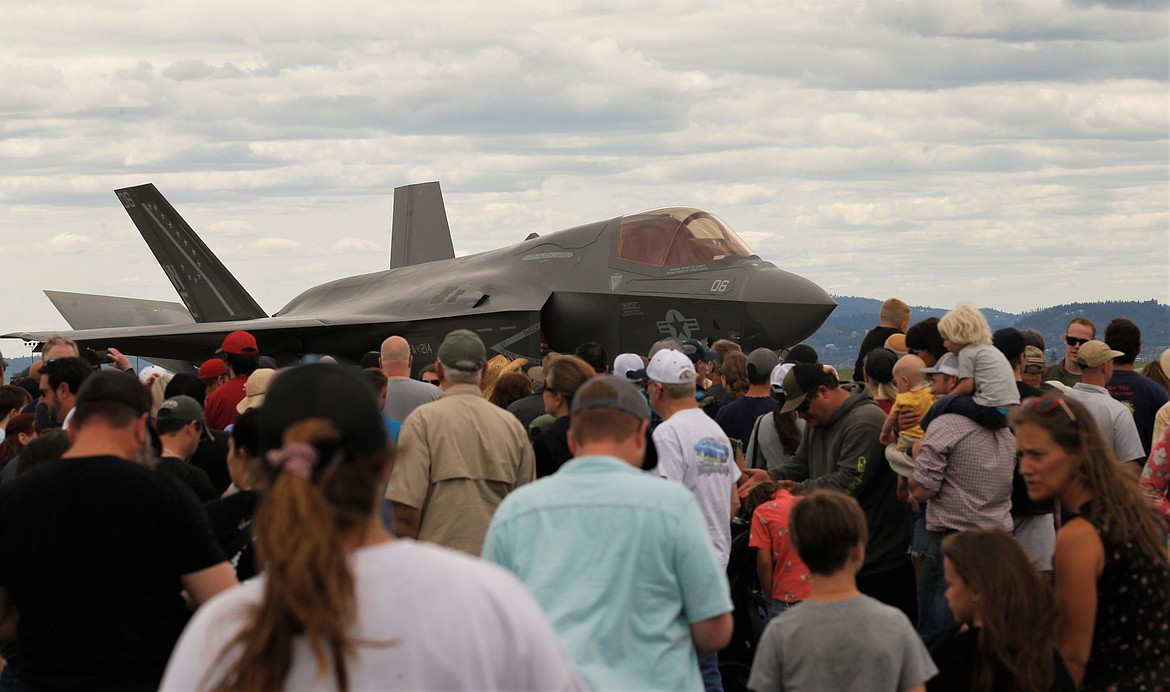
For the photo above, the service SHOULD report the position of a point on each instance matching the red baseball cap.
(239, 343)
(212, 369)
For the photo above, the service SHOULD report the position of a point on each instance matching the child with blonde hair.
(987, 390)
(912, 393)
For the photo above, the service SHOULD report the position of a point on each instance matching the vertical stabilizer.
(206, 287)
(420, 232)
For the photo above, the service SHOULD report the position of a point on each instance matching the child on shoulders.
(987, 390)
(912, 393)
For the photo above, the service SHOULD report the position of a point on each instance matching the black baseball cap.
(117, 386)
(335, 393)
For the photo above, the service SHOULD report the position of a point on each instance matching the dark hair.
(787, 429)
(510, 387)
(12, 397)
(758, 496)
(1033, 337)
(10, 448)
(169, 426)
(1016, 606)
(184, 383)
(245, 434)
(114, 413)
(48, 445)
(1010, 343)
(71, 371)
(824, 527)
(924, 336)
(242, 363)
(377, 378)
(1123, 335)
(592, 353)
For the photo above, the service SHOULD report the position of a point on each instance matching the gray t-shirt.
(404, 395)
(856, 644)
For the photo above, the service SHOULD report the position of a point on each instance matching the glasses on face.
(1073, 341)
(803, 407)
(1047, 404)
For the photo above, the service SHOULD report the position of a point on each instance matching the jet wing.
(90, 311)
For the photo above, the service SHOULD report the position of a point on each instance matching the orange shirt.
(790, 578)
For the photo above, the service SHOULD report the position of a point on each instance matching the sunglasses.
(1073, 341)
(1047, 404)
(803, 407)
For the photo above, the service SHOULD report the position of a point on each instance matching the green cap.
(462, 350)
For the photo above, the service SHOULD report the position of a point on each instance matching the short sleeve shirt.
(995, 384)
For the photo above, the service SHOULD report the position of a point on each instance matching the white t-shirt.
(455, 622)
(694, 450)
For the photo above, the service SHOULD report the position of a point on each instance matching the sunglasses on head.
(1047, 404)
(1073, 341)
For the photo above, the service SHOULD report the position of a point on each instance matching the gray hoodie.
(846, 455)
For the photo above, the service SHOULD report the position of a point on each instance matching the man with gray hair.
(457, 456)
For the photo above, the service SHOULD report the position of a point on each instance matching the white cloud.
(67, 242)
(849, 141)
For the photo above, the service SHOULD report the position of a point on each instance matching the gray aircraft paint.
(551, 291)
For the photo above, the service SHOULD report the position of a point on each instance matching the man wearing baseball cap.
(458, 456)
(694, 451)
(622, 632)
(241, 357)
(1095, 360)
(212, 374)
(180, 426)
(841, 449)
(95, 549)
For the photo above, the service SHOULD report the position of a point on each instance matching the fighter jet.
(626, 283)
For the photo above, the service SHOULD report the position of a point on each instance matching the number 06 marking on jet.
(720, 285)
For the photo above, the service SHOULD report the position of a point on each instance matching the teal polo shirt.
(621, 563)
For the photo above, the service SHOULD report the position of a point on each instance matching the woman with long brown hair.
(1009, 609)
(341, 603)
(1111, 564)
(735, 374)
(21, 430)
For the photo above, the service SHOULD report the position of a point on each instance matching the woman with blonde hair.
(342, 604)
(1010, 642)
(1112, 570)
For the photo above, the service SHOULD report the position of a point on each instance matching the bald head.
(395, 357)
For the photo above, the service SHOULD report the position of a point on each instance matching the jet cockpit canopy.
(677, 236)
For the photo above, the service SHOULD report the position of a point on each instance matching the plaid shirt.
(969, 468)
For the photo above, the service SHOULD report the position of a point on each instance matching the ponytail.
(316, 501)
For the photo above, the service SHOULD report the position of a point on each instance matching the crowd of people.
(962, 515)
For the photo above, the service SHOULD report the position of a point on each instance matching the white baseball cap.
(671, 367)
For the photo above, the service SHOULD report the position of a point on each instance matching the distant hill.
(840, 336)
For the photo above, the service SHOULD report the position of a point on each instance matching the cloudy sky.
(1009, 153)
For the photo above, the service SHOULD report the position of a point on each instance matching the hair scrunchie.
(297, 458)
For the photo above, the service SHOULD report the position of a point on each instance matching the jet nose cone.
(787, 308)
(772, 285)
